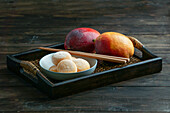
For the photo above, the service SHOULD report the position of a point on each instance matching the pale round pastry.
(53, 68)
(73, 58)
(59, 56)
(81, 64)
(66, 66)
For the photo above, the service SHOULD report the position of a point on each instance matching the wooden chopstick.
(114, 59)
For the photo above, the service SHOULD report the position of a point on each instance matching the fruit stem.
(94, 40)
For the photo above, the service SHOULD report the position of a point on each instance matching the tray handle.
(30, 71)
(137, 44)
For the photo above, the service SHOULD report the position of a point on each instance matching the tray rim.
(87, 76)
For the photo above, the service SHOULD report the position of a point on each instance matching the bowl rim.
(67, 73)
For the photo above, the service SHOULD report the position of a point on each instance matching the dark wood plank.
(96, 7)
(153, 29)
(52, 21)
(116, 99)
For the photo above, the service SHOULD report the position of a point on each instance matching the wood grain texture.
(29, 24)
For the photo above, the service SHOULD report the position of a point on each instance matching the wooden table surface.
(29, 24)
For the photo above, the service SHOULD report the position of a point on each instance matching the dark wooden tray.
(21, 64)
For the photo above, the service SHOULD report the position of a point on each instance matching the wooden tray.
(24, 65)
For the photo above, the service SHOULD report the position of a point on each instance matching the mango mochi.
(65, 63)
(81, 64)
(59, 56)
(66, 66)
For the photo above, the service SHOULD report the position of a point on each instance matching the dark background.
(27, 24)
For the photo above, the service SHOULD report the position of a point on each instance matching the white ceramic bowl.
(46, 63)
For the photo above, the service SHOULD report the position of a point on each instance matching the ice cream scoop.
(66, 66)
(81, 64)
(53, 68)
(59, 56)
